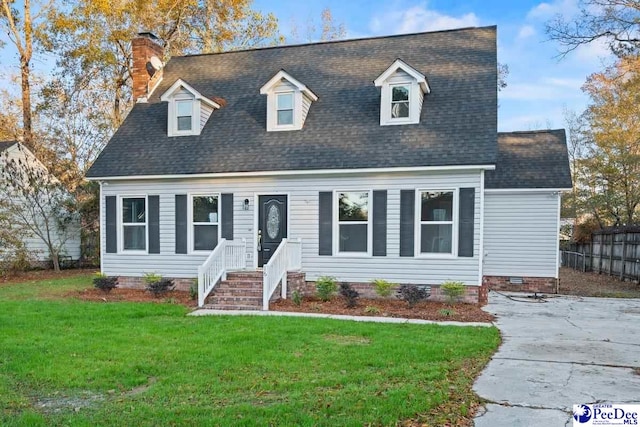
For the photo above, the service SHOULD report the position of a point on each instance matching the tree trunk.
(26, 103)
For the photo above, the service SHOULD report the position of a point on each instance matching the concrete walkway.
(567, 351)
(376, 319)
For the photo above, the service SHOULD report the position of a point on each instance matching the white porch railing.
(228, 255)
(287, 257)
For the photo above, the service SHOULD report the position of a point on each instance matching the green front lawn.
(66, 362)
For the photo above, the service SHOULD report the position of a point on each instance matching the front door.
(272, 225)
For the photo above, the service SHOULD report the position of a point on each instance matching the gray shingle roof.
(536, 159)
(4, 145)
(342, 130)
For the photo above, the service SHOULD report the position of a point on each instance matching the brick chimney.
(145, 76)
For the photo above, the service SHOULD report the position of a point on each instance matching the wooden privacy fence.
(613, 252)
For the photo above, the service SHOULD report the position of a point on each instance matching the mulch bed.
(426, 310)
(38, 275)
(133, 295)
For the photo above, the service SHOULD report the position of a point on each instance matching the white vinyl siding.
(303, 202)
(205, 113)
(521, 234)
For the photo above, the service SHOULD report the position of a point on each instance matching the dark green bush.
(412, 294)
(350, 294)
(105, 283)
(157, 285)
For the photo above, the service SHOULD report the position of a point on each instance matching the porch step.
(236, 292)
(232, 307)
(244, 275)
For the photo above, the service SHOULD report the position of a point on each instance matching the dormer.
(288, 102)
(402, 91)
(189, 110)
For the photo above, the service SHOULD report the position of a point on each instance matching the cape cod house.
(363, 159)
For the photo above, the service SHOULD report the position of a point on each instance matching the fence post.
(613, 243)
(624, 261)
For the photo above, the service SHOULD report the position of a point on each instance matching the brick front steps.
(241, 291)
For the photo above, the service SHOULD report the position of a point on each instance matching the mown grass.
(67, 362)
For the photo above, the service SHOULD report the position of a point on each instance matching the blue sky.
(540, 86)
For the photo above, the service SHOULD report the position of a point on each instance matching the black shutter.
(227, 216)
(154, 224)
(111, 224)
(407, 222)
(181, 223)
(465, 230)
(380, 223)
(325, 226)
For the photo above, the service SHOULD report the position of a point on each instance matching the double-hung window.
(184, 115)
(400, 101)
(353, 222)
(205, 222)
(436, 216)
(134, 224)
(285, 109)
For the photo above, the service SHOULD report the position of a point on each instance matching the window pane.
(184, 108)
(437, 206)
(184, 123)
(399, 110)
(435, 238)
(353, 206)
(205, 237)
(285, 101)
(133, 210)
(353, 238)
(205, 209)
(134, 237)
(285, 117)
(400, 93)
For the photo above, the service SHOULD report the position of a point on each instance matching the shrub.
(453, 291)
(105, 283)
(326, 286)
(296, 297)
(382, 287)
(157, 285)
(372, 310)
(193, 290)
(412, 294)
(350, 294)
(446, 312)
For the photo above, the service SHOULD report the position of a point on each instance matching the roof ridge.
(324, 42)
(520, 132)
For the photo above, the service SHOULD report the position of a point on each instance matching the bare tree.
(615, 21)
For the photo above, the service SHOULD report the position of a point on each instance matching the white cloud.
(419, 18)
(545, 10)
(526, 31)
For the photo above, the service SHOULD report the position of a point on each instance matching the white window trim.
(190, 223)
(295, 113)
(336, 225)
(121, 224)
(173, 117)
(454, 224)
(402, 120)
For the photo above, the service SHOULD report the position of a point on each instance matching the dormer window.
(188, 110)
(288, 102)
(184, 113)
(401, 95)
(285, 109)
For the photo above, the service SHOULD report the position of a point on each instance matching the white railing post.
(224, 259)
(283, 288)
(265, 288)
(201, 296)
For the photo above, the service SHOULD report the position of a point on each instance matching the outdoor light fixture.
(246, 205)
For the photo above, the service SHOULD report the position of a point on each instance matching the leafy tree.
(617, 22)
(328, 29)
(606, 157)
(36, 202)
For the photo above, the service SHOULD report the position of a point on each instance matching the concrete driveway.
(565, 351)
